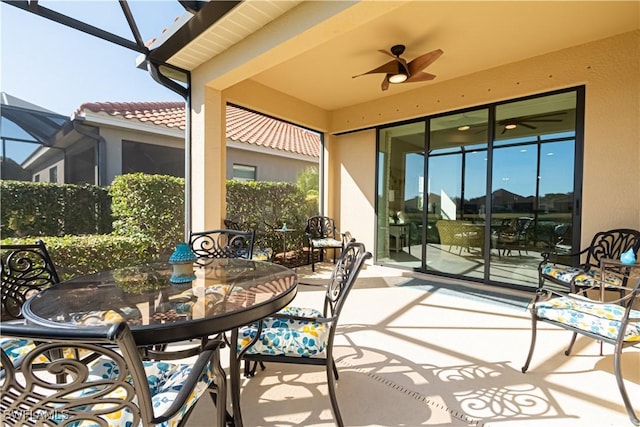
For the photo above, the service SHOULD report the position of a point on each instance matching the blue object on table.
(182, 260)
(628, 257)
(284, 225)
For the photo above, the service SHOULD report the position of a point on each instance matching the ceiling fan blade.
(388, 68)
(420, 77)
(385, 82)
(527, 126)
(542, 120)
(423, 61)
(503, 131)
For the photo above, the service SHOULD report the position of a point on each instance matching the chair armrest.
(206, 356)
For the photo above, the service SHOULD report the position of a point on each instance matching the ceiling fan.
(399, 70)
(512, 123)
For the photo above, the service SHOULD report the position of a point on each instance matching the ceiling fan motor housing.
(398, 49)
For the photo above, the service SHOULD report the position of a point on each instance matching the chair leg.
(617, 367)
(331, 370)
(533, 342)
(573, 341)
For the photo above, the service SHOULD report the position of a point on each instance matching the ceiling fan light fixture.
(463, 128)
(398, 78)
(510, 126)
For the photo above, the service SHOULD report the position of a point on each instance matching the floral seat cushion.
(601, 319)
(289, 337)
(165, 382)
(16, 348)
(566, 274)
(326, 243)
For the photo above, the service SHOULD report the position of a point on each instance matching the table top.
(226, 294)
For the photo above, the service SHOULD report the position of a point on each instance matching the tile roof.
(243, 126)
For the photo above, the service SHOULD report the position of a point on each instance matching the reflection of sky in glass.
(18, 151)
(414, 166)
(556, 167)
(514, 171)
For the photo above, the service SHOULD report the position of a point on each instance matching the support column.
(208, 160)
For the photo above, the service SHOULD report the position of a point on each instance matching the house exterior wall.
(608, 68)
(610, 71)
(268, 167)
(114, 137)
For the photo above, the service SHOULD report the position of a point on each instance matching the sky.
(60, 68)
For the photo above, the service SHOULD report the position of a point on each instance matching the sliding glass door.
(495, 188)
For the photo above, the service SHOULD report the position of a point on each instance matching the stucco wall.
(610, 71)
(115, 136)
(269, 167)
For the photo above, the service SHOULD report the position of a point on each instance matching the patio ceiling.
(311, 50)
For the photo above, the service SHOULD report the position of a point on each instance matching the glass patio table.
(226, 294)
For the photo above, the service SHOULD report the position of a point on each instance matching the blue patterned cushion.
(15, 348)
(287, 336)
(566, 273)
(165, 381)
(327, 242)
(601, 319)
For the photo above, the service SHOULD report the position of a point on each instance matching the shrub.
(45, 209)
(149, 206)
(80, 255)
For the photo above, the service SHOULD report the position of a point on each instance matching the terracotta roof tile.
(242, 125)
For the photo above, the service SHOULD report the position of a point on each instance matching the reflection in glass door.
(532, 185)
(457, 176)
(401, 195)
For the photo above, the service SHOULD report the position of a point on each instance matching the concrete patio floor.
(408, 357)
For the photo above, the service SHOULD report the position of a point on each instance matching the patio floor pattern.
(411, 357)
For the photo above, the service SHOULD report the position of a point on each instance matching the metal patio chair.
(322, 234)
(305, 335)
(614, 322)
(112, 387)
(569, 271)
(25, 269)
(222, 243)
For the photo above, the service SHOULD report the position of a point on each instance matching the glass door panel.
(401, 195)
(532, 185)
(456, 188)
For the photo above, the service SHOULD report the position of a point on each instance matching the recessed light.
(463, 128)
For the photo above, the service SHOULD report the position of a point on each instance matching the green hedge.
(79, 255)
(261, 205)
(149, 206)
(45, 209)
(148, 212)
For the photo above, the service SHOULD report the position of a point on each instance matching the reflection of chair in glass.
(513, 235)
(568, 270)
(322, 234)
(612, 322)
(109, 386)
(305, 335)
(222, 243)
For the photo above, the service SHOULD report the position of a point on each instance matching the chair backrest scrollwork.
(25, 271)
(223, 243)
(320, 227)
(344, 275)
(611, 244)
